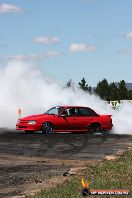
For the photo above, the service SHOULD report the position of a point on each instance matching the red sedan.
(68, 119)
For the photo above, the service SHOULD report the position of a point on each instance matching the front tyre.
(95, 129)
(47, 127)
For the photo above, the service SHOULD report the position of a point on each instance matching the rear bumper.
(107, 128)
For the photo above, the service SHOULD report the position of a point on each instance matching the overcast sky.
(69, 38)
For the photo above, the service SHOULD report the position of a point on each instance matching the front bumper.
(28, 127)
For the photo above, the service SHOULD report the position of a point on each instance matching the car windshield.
(54, 111)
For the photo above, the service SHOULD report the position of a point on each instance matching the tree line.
(107, 91)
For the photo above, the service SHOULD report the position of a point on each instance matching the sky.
(69, 39)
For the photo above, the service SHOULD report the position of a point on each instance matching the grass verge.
(112, 174)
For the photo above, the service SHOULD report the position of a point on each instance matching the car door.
(84, 116)
(77, 119)
(68, 122)
(54, 116)
(71, 119)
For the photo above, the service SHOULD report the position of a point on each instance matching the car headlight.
(31, 122)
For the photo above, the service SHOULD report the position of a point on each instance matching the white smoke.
(122, 119)
(26, 87)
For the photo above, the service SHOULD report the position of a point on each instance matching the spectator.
(110, 105)
(118, 104)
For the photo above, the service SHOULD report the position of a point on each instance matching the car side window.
(71, 112)
(78, 112)
(54, 111)
(86, 112)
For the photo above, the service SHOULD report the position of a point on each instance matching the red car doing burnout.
(68, 119)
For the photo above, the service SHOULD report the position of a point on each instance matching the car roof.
(71, 106)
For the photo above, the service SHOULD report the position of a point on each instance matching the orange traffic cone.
(19, 113)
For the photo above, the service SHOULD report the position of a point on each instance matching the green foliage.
(90, 89)
(102, 89)
(122, 90)
(68, 84)
(113, 91)
(112, 174)
(130, 94)
(109, 92)
(83, 85)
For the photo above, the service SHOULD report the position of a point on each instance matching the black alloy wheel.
(94, 129)
(47, 127)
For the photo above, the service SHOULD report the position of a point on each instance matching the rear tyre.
(94, 129)
(47, 127)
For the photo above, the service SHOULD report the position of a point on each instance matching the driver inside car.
(71, 112)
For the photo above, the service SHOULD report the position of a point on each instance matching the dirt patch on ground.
(28, 175)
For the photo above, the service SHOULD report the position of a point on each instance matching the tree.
(83, 85)
(102, 89)
(90, 89)
(113, 92)
(69, 84)
(130, 94)
(122, 90)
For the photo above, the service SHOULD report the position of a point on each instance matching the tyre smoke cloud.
(26, 87)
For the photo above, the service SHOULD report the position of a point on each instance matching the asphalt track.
(62, 146)
(27, 159)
